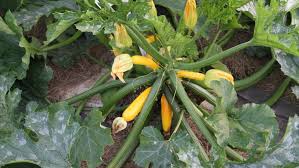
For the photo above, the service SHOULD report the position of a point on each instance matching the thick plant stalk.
(230, 152)
(130, 87)
(141, 41)
(198, 90)
(279, 92)
(196, 118)
(191, 108)
(132, 140)
(109, 85)
(63, 43)
(82, 104)
(256, 77)
(214, 58)
(176, 108)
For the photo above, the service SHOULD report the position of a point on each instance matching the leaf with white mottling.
(34, 9)
(271, 29)
(55, 136)
(289, 64)
(295, 90)
(285, 154)
(91, 141)
(64, 21)
(160, 153)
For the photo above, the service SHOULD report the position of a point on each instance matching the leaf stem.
(191, 108)
(176, 108)
(108, 85)
(256, 77)
(214, 58)
(132, 140)
(279, 92)
(63, 43)
(141, 41)
(200, 91)
(224, 39)
(130, 87)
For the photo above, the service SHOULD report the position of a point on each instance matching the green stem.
(82, 104)
(109, 85)
(141, 41)
(224, 39)
(198, 90)
(63, 43)
(212, 45)
(279, 92)
(176, 108)
(124, 91)
(132, 140)
(191, 108)
(214, 58)
(256, 77)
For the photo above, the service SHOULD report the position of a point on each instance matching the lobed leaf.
(176, 152)
(57, 139)
(30, 13)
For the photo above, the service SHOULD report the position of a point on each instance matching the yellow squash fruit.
(166, 114)
(190, 14)
(142, 60)
(190, 75)
(215, 74)
(121, 64)
(131, 112)
(122, 38)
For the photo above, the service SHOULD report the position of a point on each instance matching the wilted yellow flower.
(121, 64)
(190, 14)
(122, 38)
(153, 10)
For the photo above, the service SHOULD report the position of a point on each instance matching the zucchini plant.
(155, 51)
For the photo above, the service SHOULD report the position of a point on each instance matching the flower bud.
(215, 74)
(122, 38)
(190, 14)
(153, 10)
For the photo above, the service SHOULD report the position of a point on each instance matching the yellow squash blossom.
(190, 14)
(122, 38)
(121, 64)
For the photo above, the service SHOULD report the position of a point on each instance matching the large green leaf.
(179, 44)
(57, 135)
(91, 141)
(271, 28)
(295, 90)
(9, 101)
(11, 56)
(289, 64)
(251, 127)
(30, 13)
(90, 23)
(176, 6)
(285, 154)
(64, 21)
(160, 153)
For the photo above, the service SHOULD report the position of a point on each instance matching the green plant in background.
(155, 51)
